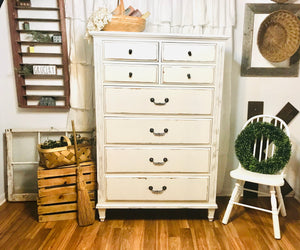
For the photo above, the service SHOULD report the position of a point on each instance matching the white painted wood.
(211, 214)
(188, 52)
(165, 131)
(158, 101)
(264, 179)
(130, 73)
(118, 50)
(156, 205)
(168, 160)
(176, 189)
(9, 167)
(274, 181)
(102, 214)
(236, 194)
(188, 75)
(2, 199)
(125, 114)
(275, 218)
(280, 201)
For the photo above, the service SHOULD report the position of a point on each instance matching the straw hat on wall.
(279, 36)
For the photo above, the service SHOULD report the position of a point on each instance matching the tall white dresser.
(157, 105)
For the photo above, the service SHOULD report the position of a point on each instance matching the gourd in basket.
(61, 156)
(122, 22)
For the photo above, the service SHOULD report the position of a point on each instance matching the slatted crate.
(57, 195)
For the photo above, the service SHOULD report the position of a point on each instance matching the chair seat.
(265, 179)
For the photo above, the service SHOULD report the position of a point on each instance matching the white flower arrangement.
(98, 20)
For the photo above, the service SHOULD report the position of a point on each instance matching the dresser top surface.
(149, 35)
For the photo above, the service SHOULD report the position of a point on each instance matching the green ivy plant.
(245, 142)
(25, 70)
(40, 37)
(62, 142)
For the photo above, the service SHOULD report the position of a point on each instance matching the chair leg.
(280, 201)
(275, 218)
(235, 196)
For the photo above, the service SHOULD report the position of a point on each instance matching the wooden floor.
(151, 229)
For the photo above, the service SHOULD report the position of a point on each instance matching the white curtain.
(203, 17)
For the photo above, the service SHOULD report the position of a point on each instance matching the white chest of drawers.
(157, 105)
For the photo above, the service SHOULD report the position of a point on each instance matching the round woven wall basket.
(279, 36)
(279, 1)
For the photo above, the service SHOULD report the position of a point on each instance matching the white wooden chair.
(274, 181)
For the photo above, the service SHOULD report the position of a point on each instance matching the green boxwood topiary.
(244, 148)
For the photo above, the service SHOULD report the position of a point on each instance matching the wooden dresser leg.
(211, 214)
(102, 213)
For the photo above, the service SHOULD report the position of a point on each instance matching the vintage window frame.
(246, 69)
(11, 163)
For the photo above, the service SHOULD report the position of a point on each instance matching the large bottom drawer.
(157, 188)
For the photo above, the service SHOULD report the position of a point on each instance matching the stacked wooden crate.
(57, 193)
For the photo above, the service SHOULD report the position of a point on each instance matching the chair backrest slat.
(260, 148)
(267, 149)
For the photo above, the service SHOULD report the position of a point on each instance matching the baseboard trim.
(297, 197)
(2, 199)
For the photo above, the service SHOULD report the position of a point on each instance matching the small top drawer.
(188, 75)
(130, 73)
(122, 50)
(188, 52)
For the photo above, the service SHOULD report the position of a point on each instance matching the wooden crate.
(57, 196)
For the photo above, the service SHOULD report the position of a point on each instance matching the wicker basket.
(279, 1)
(125, 23)
(279, 36)
(62, 156)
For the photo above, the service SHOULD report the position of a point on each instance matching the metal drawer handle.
(158, 163)
(159, 103)
(190, 53)
(163, 188)
(130, 51)
(130, 74)
(158, 134)
(189, 76)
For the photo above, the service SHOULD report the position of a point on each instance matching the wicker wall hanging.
(279, 36)
(279, 1)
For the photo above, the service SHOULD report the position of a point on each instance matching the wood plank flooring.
(152, 229)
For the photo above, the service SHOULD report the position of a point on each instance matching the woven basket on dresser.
(62, 156)
(125, 23)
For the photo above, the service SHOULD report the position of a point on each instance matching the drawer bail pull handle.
(130, 51)
(163, 188)
(130, 74)
(158, 134)
(190, 53)
(189, 76)
(158, 163)
(159, 103)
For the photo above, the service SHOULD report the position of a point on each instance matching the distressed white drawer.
(157, 131)
(120, 50)
(188, 75)
(130, 73)
(156, 189)
(158, 100)
(137, 160)
(188, 52)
